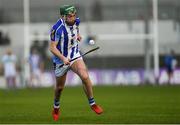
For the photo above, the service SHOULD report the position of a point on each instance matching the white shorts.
(60, 71)
(10, 73)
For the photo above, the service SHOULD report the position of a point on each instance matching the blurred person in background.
(64, 45)
(170, 64)
(36, 68)
(9, 65)
(36, 46)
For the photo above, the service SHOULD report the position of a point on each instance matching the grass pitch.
(121, 104)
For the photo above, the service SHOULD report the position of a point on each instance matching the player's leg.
(79, 68)
(60, 82)
(60, 73)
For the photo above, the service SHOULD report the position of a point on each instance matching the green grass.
(122, 104)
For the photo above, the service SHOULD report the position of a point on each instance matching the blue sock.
(91, 101)
(56, 103)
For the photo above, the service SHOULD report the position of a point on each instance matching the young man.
(36, 65)
(9, 63)
(64, 45)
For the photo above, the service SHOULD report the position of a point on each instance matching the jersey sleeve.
(55, 35)
(56, 31)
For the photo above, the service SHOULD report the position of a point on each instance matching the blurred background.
(134, 38)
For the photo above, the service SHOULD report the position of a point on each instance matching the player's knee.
(85, 77)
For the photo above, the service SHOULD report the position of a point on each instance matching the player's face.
(70, 19)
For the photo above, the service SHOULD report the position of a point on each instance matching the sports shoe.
(97, 109)
(56, 114)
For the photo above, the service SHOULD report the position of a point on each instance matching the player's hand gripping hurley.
(81, 55)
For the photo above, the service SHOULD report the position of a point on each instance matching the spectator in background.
(4, 39)
(36, 46)
(36, 68)
(44, 51)
(9, 65)
(170, 63)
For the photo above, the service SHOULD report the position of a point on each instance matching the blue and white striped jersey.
(66, 36)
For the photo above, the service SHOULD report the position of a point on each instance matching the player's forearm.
(56, 52)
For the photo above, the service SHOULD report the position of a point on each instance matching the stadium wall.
(104, 77)
(168, 36)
